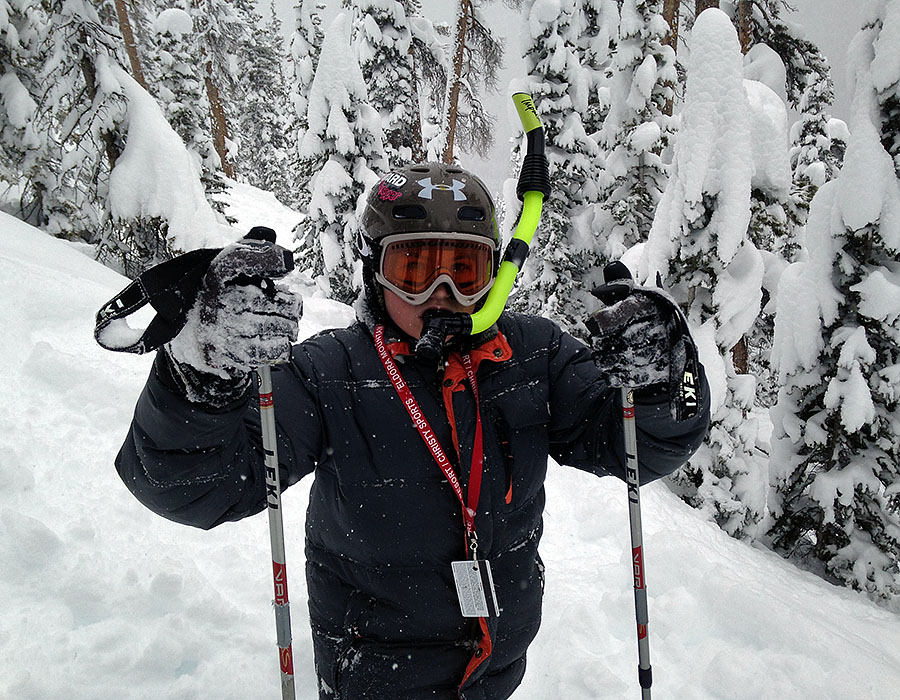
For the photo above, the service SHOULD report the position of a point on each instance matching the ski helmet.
(424, 199)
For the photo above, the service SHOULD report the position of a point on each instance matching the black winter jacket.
(383, 523)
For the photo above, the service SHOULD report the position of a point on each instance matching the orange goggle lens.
(413, 265)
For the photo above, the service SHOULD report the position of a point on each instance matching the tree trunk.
(739, 356)
(462, 26)
(671, 15)
(130, 45)
(110, 142)
(739, 352)
(219, 124)
(415, 140)
(744, 24)
(700, 5)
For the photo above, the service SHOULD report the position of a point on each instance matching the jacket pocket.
(519, 425)
(502, 430)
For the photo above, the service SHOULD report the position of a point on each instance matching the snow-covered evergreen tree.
(835, 451)
(83, 116)
(699, 248)
(21, 140)
(772, 227)
(817, 147)
(99, 142)
(886, 76)
(636, 129)
(565, 249)
(795, 69)
(177, 81)
(173, 75)
(801, 58)
(596, 48)
(265, 125)
(383, 44)
(345, 133)
(220, 29)
(772, 220)
(305, 45)
(791, 67)
(155, 194)
(432, 68)
(143, 15)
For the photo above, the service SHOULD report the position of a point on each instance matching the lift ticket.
(475, 588)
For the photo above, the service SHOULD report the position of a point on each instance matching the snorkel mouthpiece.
(437, 326)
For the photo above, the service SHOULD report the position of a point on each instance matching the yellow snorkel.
(533, 187)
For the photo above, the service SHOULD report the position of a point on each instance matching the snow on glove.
(640, 338)
(240, 320)
(631, 341)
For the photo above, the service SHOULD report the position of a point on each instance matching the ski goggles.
(413, 265)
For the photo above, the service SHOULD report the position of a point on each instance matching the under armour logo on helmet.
(429, 187)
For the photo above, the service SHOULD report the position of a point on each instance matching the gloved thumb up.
(617, 284)
(241, 318)
(632, 335)
(255, 259)
(640, 339)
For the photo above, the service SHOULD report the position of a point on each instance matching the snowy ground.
(103, 600)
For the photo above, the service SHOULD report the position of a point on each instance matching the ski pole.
(645, 674)
(171, 289)
(276, 532)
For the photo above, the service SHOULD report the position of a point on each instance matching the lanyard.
(469, 504)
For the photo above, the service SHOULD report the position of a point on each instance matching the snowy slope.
(102, 600)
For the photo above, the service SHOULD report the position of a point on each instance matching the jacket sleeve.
(203, 467)
(586, 420)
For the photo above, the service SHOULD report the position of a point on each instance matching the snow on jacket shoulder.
(383, 523)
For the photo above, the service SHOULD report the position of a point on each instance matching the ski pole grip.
(535, 173)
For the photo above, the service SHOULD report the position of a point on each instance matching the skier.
(418, 464)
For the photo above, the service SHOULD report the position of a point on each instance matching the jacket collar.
(399, 343)
(493, 349)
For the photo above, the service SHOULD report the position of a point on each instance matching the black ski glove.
(240, 320)
(641, 341)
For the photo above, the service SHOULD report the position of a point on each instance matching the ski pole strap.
(170, 288)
